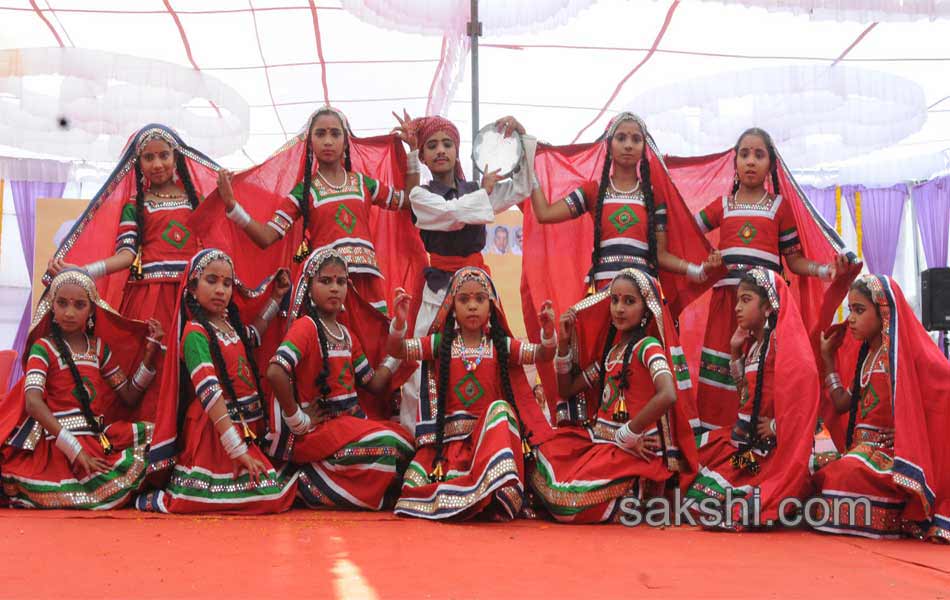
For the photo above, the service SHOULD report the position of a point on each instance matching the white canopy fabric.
(561, 66)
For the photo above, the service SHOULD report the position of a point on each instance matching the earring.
(175, 176)
(90, 324)
(643, 322)
(143, 180)
(735, 179)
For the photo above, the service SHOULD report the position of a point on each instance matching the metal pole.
(474, 30)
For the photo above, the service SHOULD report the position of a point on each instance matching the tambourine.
(500, 153)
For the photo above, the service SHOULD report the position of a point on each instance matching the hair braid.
(85, 402)
(608, 344)
(500, 341)
(139, 206)
(598, 214)
(856, 394)
(307, 183)
(445, 364)
(760, 378)
(646, 184)
(321, 382)
(234, 318)
(185, 176)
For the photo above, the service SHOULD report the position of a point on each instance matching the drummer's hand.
(490, 178)
(509, 124)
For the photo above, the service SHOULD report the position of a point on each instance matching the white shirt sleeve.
(435, 213)
(512, 191)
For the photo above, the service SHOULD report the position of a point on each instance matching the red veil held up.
(262, 188)
(920, 395)
(556, 257)
(93, 236)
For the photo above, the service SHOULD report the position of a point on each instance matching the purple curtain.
(881, 212)
(823, 200)
(932, 203)
(25, 194)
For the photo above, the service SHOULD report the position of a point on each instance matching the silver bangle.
(412, 162)
(299, 422)
(737, 368)
(823, 272)
(550, 342)
(270, 311)
(68, 444)
(772, 426)
(392, 363)
(143, 377)
(832, 379)
(563, 364)
(626, 437)
(233, 444)
(398, 332)
(96, 269)
(696, 273)
(239, 216)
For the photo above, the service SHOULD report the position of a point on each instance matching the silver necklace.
(867, 371)
(340, 337)
(629, 192)
(335, 188)
(88, 346)
(735, 198)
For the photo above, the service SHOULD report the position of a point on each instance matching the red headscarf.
(124, 337)
(426, 127)
(93, 235)
(920, 397)
(587, 344)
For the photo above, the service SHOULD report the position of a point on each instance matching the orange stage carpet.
(348, 555)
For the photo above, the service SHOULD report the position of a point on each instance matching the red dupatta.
(124, 337)
(920, 392)
(587, 344)
(93, 236)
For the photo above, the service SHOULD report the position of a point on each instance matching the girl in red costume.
(758, 228)
(318, 375)
(135, 239)
(613, 344)
(211, 413)
(66, 445)
(763, 456)
(478, 418)
(331, 200)
(892, 420)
